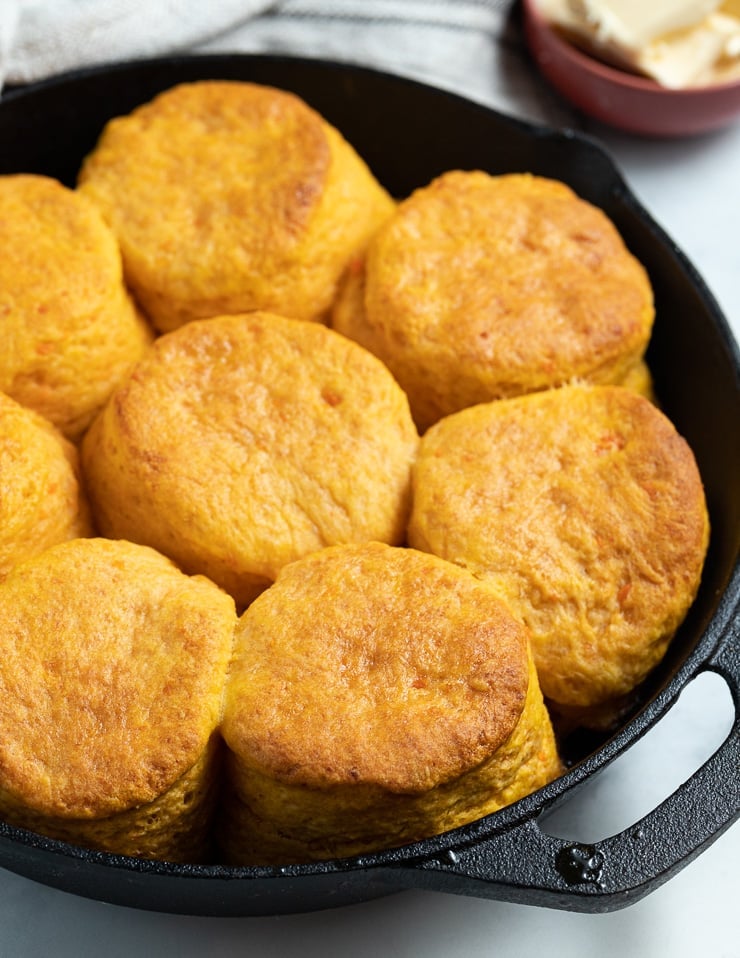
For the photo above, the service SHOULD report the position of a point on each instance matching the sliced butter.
(690, 57)
(631, 25)
(678, 43)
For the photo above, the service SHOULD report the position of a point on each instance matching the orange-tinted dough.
(229, 196)
(112, 667)
(241, 443)
(41, 500)
(377, 695)
(585, 508)
(69, 329)
(484, 287)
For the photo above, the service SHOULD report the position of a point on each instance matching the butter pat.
(693, 57)
(678, 43)
(632, 25)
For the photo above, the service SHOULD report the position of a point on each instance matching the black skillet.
(409, 133)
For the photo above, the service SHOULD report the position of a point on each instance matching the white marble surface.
(692, 189)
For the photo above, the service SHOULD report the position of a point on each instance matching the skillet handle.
(523, 864)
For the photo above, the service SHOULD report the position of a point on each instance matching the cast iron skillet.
(409, 133)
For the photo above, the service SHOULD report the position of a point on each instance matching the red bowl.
(622, 99)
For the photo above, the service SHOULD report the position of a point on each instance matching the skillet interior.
(409, 133)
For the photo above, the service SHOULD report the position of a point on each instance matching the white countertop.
(692, 188)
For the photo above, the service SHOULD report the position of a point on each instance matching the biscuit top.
(59, 268)
(212, 145)
(511, 280)
(58, 253)
(377, 665)
(267, 436)
(586, 509)
(237, 174)
(112, 666)
(68, 328)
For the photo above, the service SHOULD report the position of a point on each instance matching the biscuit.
(112, 666)
(377, 696)
(241, 443)
(71, 332)
(485, 287)
(639, 379)
(585, 509)
(230, 196)
(42, 502)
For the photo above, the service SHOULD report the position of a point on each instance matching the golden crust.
(241, 443)
(483, 287)
(111, 687)
(585, 509)
(42, 502)
(265, 202)
(174, 826)
(71, 332)
(376, 695)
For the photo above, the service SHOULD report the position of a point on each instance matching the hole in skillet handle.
(524, 864)
(650, 769)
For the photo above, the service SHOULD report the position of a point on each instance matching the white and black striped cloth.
(471, 46)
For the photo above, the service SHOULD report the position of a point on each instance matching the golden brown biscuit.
(112, 668)
(70, 331)
(377, 696)
(229, 196)
(585, 509)
(41, 502)
(484, 287)
(241, 443)
(639, 379)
